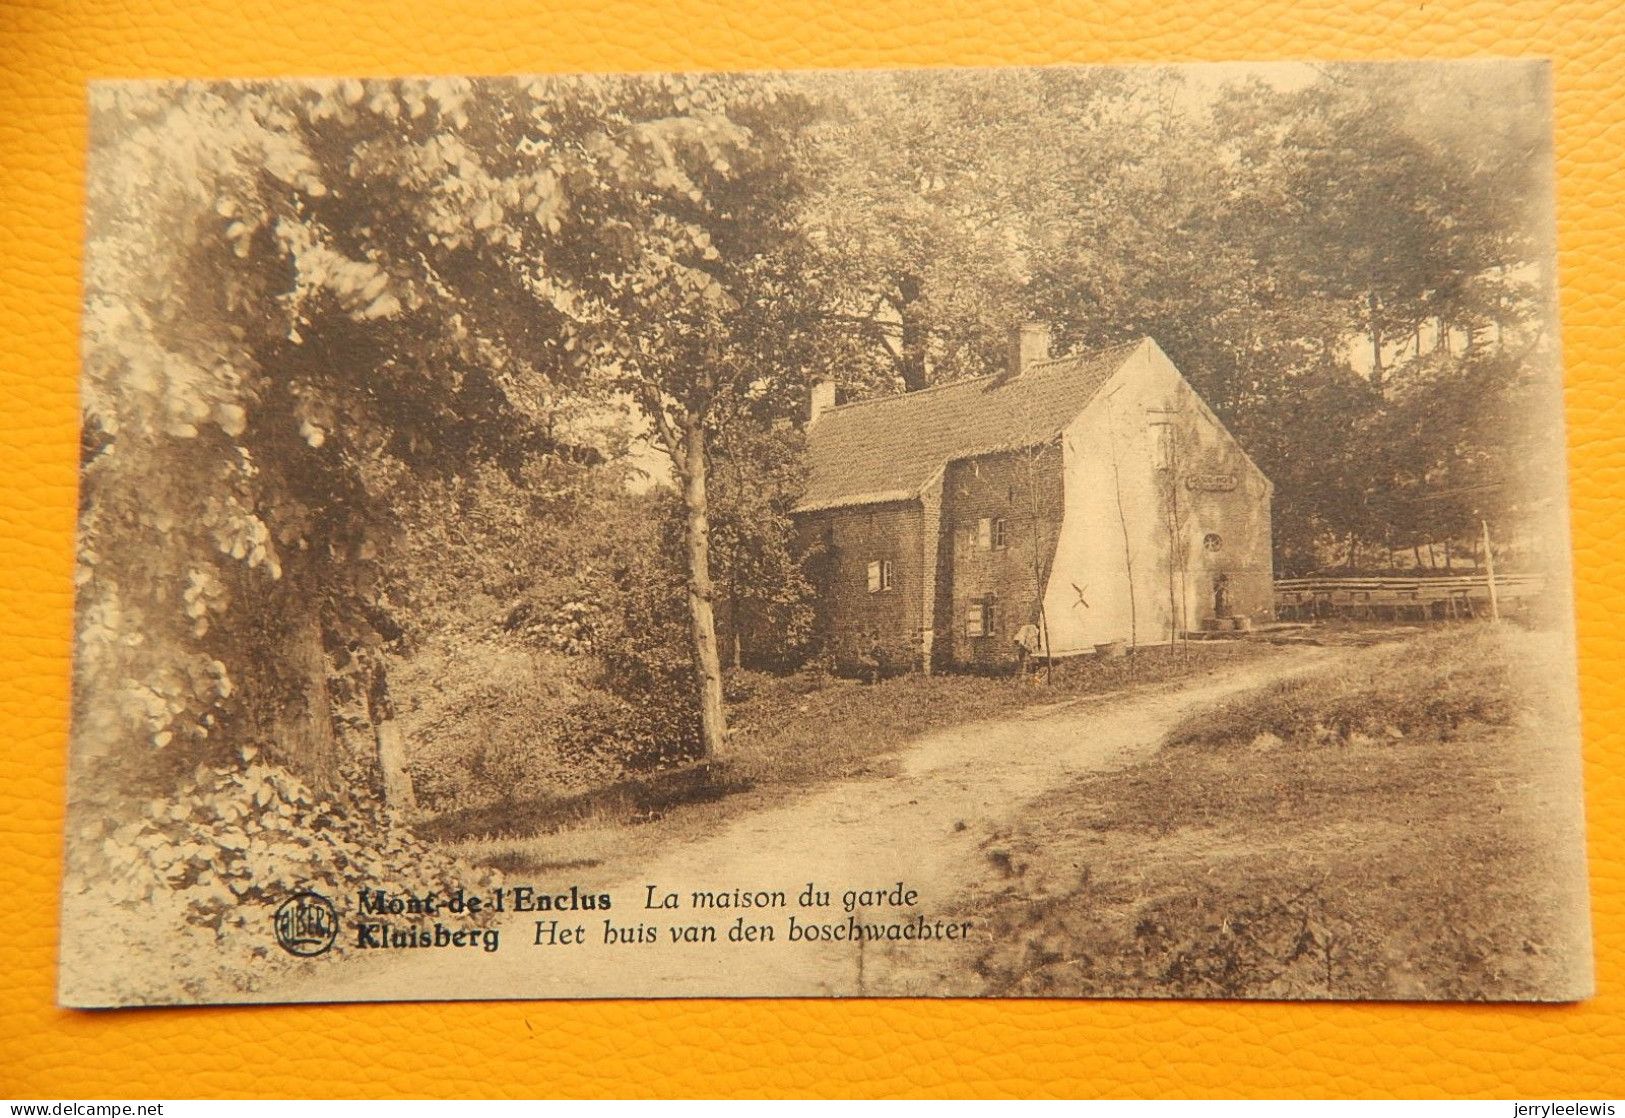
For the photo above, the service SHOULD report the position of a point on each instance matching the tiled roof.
(888, 449)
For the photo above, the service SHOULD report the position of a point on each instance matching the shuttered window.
(880, 575)
(979, 619)
(984, 534)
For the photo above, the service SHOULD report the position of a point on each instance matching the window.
(979, 618)
(880, 575)
(1001, 534)
(984, 534)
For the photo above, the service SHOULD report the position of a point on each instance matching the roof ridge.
(884, 452)
(1099, 351)
(916, 394)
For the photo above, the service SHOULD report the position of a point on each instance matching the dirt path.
(921, 828)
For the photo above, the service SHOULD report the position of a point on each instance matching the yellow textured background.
(49, 48)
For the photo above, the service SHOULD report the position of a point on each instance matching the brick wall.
(849, 612)
(1024, 490)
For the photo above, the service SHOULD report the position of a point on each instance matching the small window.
(1212, 542)
(1001, 534)
(979, 618)
(880, 575)
(975, 622)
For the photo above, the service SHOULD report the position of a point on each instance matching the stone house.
(1094, 496)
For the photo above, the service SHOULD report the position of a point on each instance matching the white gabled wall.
(1115, 521)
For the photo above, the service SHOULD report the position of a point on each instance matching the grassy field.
(789, 734)
(1405, 825)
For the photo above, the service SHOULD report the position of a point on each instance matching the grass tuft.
(1425, 688)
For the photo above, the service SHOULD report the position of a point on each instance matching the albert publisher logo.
(306, 924)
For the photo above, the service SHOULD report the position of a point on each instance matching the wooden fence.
(1422, 599)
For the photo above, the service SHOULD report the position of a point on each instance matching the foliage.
(550, 648)
(302, 297)
(194, 876)
(254, 835)
(767, 613)
(1308, 252)
(721, 329)
(1387, 253)
(312, 307)
(934, 195)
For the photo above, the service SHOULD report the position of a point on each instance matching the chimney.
(1029, 342)
(823, 398)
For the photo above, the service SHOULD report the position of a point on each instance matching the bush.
(628, 736)
(185, 882)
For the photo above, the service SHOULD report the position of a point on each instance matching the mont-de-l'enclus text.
(395, 920)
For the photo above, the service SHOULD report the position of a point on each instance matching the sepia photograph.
(1075, 532)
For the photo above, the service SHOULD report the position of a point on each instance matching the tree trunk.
(1489, 572)
(736, 646)
(701, 592)
(398, 793)
(300, 726)
(911, 361)
(1376, 341)
(736, 641)
(1500, 308)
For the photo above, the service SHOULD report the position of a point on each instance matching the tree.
(302, 297)
(758, 474)
(936, 194)
(713, 316)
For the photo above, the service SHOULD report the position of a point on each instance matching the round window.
(1212, 542)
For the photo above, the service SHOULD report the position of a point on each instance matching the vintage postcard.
(1074, 532)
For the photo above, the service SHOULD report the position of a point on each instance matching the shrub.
(185, 882)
